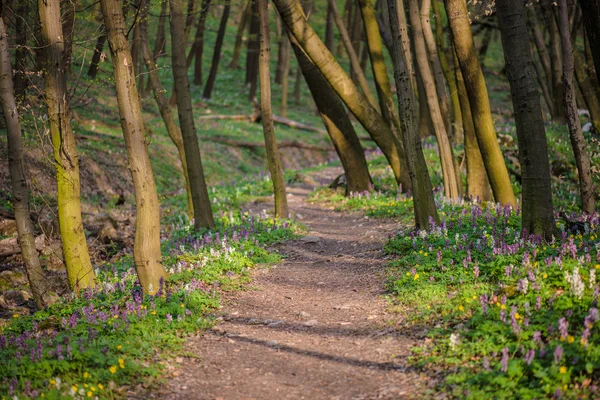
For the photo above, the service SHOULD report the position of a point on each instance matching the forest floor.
(316, 326)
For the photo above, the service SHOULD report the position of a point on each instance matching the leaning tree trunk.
(478, 184)
(146, 248)
(536, 209)
(338, 124)
(97, 55)
(237, 48)
(75, 250)
(165, 111)
(16, 166)
(479, 102)
(591, 21)
(375, 48)
(423, 201)
(588, 90)
(582, 159)
(439, 126)
(292, 15)
(212, 76)
(274, 161)
(203, 217)
(354, 61)
(198, 47)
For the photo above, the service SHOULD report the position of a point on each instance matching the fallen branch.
(11, 246)
(255, 145)
(255, 117)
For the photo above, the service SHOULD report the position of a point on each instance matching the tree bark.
(582, 159)
(281, 207)
(591, 21)
(285, 75)
(75, 251)
(479, 102)
(146, 248)
(21, 29)
(16, 166)
(537, 212)
(556, 62)
(439, 126)
(212, 76)
(253, 52)
(354, 61)
(203, 217)
(423, 202)
(237, 48)
(329, 33)
(198, 47)
(97, 56)
(165, 111)
(292, 15)
(589, 91)
(478, 185)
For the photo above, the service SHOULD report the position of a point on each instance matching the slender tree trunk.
(542, 49)
(212, 76)
(298, 86)
(280, 51)
(292, 15)
(536, 197)
(198, 48)
(20, 77)
(146, 248)
(439, 126)
(16, 166)
(68, 24)
(97, 56)
(165, 111)
(448, 71)
(281, 207)
(237, 48)
(329, 33)
(354, 61)
(285, 75)
(543, 82)
(253, 52)
(479, 102)
(382, 83)
(586, 186)
(203, 217)
(75, 251)
(161, 38)
(591, 21)
(423, 202)
(339, 127)
(555, 62)
(405, 38)
(478, 185)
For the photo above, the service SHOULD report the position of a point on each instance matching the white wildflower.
(592, 278)
(454, 341)
(574, 280)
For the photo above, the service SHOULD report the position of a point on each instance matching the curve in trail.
(313, 327)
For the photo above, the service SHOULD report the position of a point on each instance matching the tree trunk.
(542, 49)
(20, 77)
(161, 38)
(329, 33)
(588, 90)
(479, 102)
(382, 83)
(212, 76)
(285, 75)
(281, 207)
(16, 166)
(146, 249)
(439, 126)
(556, 62)
(237, 48)
(292, 15)
(203, 217)
(68, 25)
(339, 127)
(298, 86)
(165, 111)
(253, 52)
(536, 196)
(586, 186)
(478, 185)
(591, 21)
(405, 41)
(75, 251)
(423, 202)
(198, 47)
(97, 56)
(354, 61)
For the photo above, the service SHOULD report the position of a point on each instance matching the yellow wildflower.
(416, 276)
(89, 394)
(153, 312)
(563, 370)
(74, 387)
(86, 375)
(503, 306)
(100, 386)
(461, 308)
(182, 305)
(545, 276)
(119, 347)
(15, 315)
(570, 339)
(113, 369)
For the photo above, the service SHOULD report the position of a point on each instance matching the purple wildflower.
(504, 360)
(529, 356)
(558, 354)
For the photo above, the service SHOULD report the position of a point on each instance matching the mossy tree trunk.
(16, 166)
(424, 205)
(292, 15)
(273, 158)
(537, 210)
(146, 248)
(203, 217)
(75, 250)
(582, 159)
(480, 105)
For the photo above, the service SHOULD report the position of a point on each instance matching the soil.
(316, 326)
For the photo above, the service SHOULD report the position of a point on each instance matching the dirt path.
(313, 327)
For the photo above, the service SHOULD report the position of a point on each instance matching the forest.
(299, 199)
